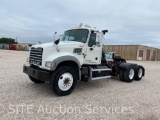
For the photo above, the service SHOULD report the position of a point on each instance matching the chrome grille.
(36, 56)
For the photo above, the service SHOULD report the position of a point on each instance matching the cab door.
(93, 50)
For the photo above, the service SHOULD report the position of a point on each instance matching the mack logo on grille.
(36, 56)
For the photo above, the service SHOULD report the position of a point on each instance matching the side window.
(71, 38)
(92, 40)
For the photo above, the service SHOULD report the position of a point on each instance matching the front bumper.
(38, 74)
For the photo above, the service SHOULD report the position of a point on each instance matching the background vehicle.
(78, 55)
(12, 47)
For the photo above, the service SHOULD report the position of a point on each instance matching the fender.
(125, 66)
(68, 58)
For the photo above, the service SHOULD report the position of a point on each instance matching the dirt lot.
(103, 99)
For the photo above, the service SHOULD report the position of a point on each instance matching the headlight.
(50, 64)
(27, 61)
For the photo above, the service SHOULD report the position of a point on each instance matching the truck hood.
(64, 48)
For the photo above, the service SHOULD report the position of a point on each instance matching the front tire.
(35, 80)
(63, 80)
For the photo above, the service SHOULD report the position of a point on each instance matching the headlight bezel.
(50, 64)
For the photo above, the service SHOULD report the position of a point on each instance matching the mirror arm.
(92, 47)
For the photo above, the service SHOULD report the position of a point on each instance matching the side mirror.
(56, 42)
(104, 31)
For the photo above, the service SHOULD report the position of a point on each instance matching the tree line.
(7, 41)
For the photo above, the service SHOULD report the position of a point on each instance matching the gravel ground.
(102, 99)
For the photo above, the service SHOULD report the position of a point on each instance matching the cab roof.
(87, 28)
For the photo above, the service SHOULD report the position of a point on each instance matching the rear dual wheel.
(132, 73)
(139, 71)
(127, 75)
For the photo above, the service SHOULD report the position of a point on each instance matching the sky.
(128, 21)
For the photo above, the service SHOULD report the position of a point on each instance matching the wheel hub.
(65, 81)
(131, 73)
(140, 73)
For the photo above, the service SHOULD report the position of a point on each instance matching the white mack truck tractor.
(78, 55)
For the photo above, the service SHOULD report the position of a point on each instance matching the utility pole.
(16, 39)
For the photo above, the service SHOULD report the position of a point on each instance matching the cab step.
(104, 77)
(99, 70)
(107, 69)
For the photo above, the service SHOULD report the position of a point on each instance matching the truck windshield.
(78, 35)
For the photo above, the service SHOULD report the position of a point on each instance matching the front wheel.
(63, 80)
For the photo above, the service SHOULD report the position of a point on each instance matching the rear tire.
(138, 73)
(35, 80)
(63, 80)
(129, 74)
